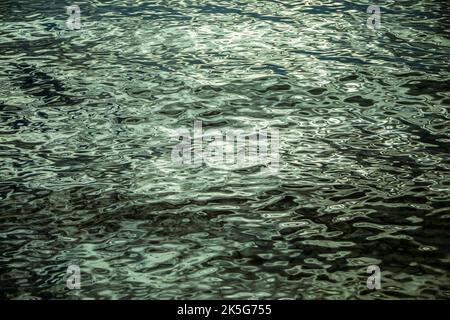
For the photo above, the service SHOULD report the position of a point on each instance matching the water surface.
(86, 171)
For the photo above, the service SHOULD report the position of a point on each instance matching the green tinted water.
(87, 176)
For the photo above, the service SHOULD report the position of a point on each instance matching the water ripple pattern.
(87, 177)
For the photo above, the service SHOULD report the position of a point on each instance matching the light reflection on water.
(87, 176)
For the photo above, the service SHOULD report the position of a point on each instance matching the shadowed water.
(87, 177)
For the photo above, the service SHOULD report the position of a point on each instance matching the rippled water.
(86, 171)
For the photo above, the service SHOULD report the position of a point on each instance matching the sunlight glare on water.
(88, 179)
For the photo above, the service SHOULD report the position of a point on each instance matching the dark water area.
(87, 178)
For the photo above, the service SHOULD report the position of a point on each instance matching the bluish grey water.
(87, 177)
